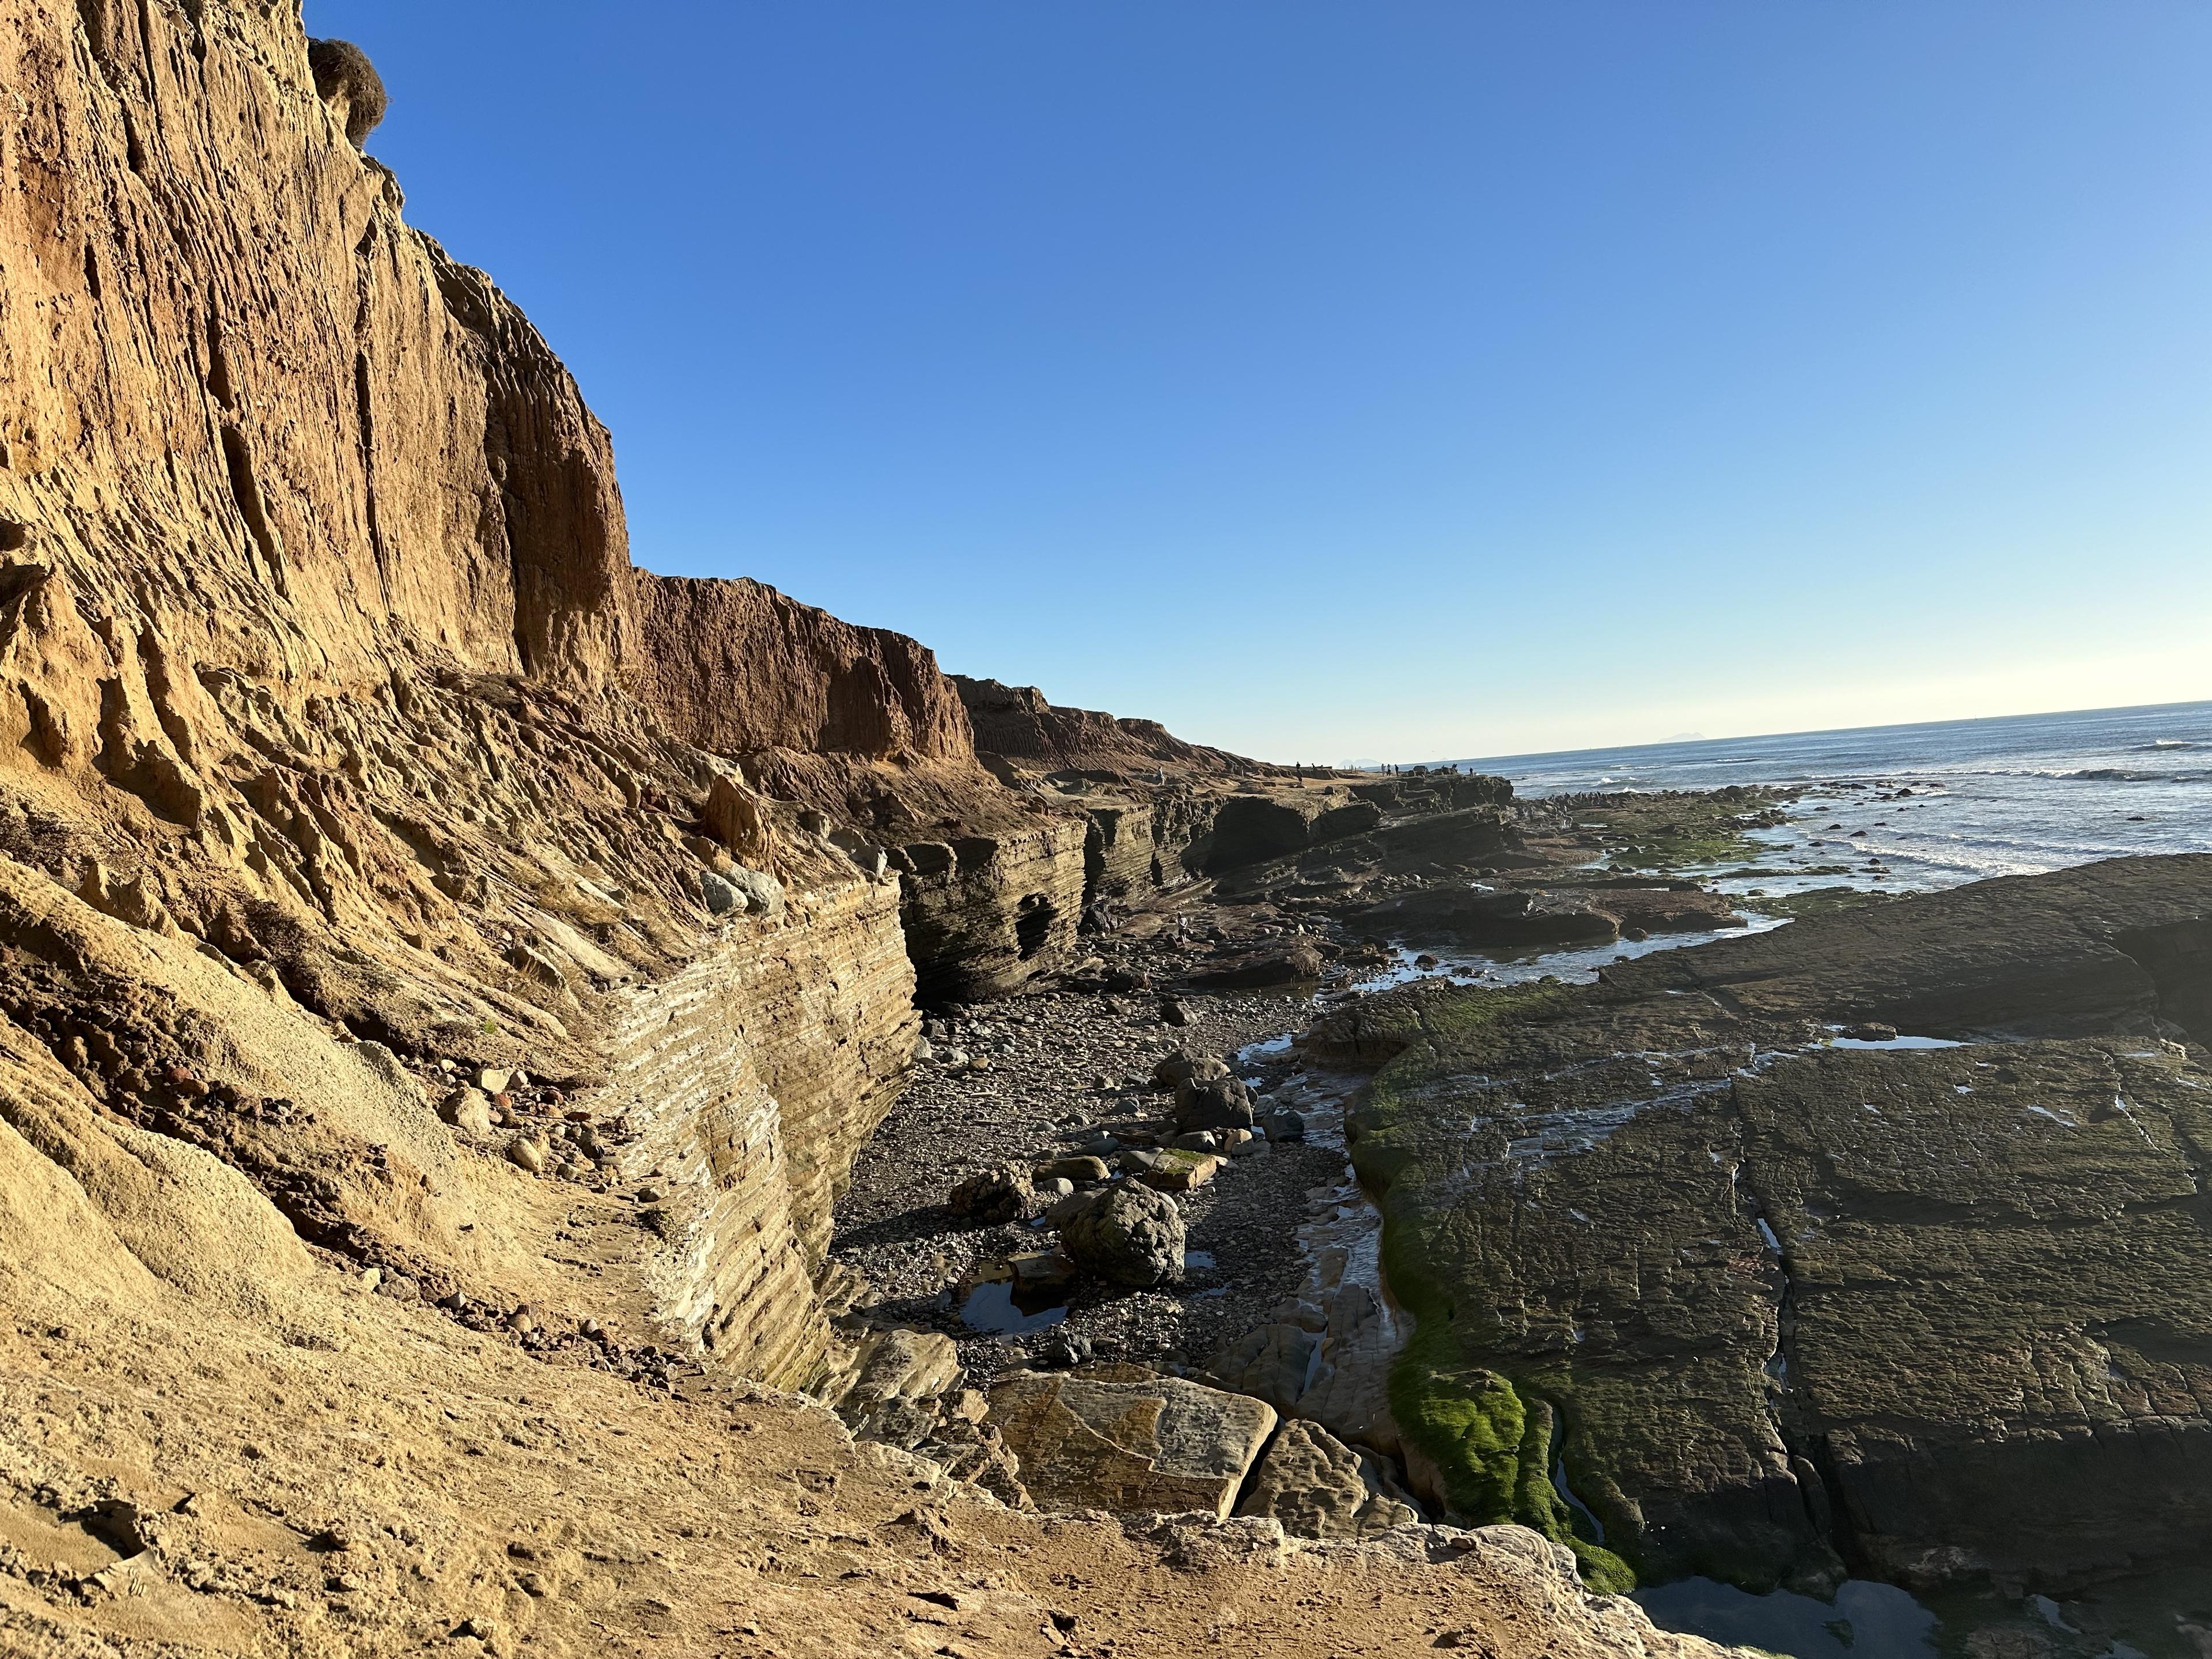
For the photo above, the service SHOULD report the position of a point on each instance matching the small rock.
(1082, 1171)
(526, 1153)
(468, 1110)
(495, 1080)
(1060, 1349)
(1058, 1187)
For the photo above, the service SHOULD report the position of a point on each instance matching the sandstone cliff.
(1017, 723)
(445, 973)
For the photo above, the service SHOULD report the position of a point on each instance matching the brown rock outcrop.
(736, 666)
(1019, 724)
(1126, 1440)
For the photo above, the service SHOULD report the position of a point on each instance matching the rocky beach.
(551, 1109)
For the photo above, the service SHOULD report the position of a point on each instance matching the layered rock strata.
(444, 972)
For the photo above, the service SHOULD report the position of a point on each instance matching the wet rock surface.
(1787, 1308)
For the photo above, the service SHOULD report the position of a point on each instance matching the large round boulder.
(1130, 1234)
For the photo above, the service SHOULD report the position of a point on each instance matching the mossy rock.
(1493, 1448)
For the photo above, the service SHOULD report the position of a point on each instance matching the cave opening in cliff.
(1033, 924)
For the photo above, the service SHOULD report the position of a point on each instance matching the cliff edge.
(445, 974)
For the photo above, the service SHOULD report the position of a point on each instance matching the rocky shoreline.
(531, 1090)
(1071, 1064)
(963, 1218)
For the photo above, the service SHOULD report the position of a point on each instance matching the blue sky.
(1331, 378)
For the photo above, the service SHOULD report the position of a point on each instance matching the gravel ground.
(1049, 1053)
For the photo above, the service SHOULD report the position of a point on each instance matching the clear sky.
(1391, 377)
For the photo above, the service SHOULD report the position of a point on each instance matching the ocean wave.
(2163, 743)
(2122, 775)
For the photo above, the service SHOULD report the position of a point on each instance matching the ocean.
(2006, 797)
(1918, 808)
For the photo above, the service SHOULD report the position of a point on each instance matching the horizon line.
(1812, 731)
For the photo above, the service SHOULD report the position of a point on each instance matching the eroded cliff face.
(736, 668)
(321, 652)
(445, 973)
(1017, 723)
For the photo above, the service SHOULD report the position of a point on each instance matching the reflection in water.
(996, 1304)
(1867, 1621)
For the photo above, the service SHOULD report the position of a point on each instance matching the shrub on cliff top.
(341, 67)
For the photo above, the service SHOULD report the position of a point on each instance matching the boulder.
(1120, 1438)
(895, 1365)
(764, 892)
(468, 1110)
(1041, 1270)
(1129, 1235)
(1285, 964)
(996, 1195)
(721, 895)
(1217, 1103)
(1178, 1170)
(1176, 1070)
(1319, 1487)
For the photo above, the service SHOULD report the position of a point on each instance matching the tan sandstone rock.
(1126, 1440)
(1319, 1487)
